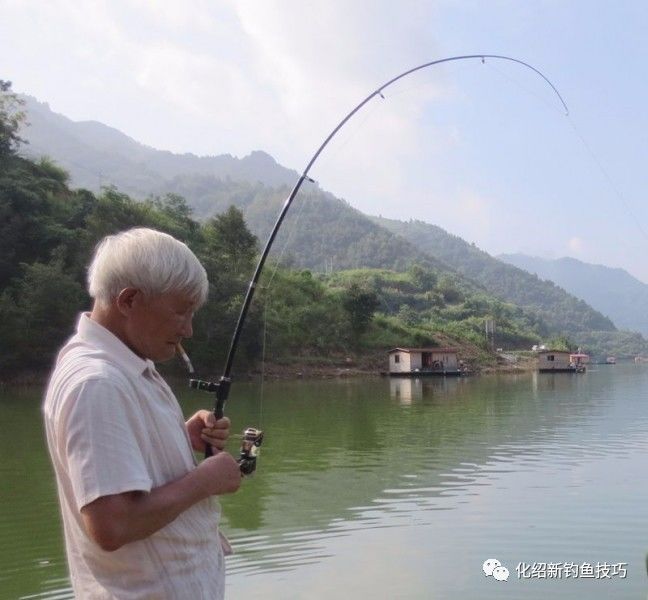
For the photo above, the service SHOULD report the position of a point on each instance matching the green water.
(379, 488)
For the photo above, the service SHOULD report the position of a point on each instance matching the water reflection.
(409, 389)
(456, 463)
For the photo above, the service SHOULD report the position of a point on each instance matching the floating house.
(558, 361)
(579, 359)
(415, 362)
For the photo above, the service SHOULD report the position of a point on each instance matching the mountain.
(560, 310)
(614, 292)
(95, 154)
(321, 233)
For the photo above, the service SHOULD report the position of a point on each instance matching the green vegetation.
(560, 311)
(318, 315)
(612, 291)
(49, 232)
(11, 118)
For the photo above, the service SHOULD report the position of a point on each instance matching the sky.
(485, 151)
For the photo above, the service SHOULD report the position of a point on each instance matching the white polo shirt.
(113, 425)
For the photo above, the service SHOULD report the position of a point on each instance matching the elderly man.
(138, 513)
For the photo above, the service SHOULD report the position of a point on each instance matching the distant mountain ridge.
(559, 309)
(95, 154)
(614, 292)
(323, 232)
(330, 233)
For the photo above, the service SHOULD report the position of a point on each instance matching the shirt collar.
(104, 339)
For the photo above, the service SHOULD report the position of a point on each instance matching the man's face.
(158, 323)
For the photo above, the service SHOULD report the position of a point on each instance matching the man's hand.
(220, 474)
(112, 521)
(203, 428)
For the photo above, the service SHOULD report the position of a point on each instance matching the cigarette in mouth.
(183, 355)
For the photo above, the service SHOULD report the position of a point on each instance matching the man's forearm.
(113, 521)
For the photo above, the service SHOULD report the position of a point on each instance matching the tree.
(360, 305)
(448, 289)
(173, 215)
(32, 203)
(11, 119)
(561, 342)
(227, 251)
(229, 246)
(423, 279)
(114, 212)
(37, 313)
(408, 315)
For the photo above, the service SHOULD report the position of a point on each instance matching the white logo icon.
(494, 567)
(489, 565)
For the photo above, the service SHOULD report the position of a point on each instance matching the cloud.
(319, 60)
(240, 75)
(237, 75)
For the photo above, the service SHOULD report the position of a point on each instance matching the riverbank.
(367, 364)
(376, 364)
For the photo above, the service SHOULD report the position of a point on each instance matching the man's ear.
(127, 299)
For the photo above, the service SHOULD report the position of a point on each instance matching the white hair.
(148, 260)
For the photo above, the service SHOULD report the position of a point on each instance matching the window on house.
(397, 358)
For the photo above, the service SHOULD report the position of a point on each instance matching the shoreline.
(347, 368)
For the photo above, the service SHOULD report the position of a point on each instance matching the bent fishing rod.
(253, 437)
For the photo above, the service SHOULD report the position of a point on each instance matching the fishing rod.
(252, 437)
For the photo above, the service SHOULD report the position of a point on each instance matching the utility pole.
(489, 326)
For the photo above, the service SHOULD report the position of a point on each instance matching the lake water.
(378, 488)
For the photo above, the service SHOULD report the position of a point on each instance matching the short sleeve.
(103, 442)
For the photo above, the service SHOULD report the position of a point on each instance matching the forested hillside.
(561, 311)
(322, 233)
(329, 233)
(614, 292)
(48, 232)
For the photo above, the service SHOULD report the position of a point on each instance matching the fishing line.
(288, 240)
(267, 288)
(525, 88)
(348, 136)
(588, 148)
(221, 389)
(428, 79)
(608, 178)
(353, 130)
(263, 361)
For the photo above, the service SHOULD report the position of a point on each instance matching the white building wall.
(559, 361)
(416, 360)
(449, 361)
(402, 366)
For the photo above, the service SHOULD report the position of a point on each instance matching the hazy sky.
(484, 151)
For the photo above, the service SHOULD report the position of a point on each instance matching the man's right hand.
(114, 520)
(222, 474)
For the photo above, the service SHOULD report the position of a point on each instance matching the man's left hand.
(203, 428)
